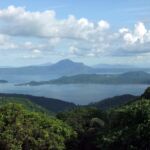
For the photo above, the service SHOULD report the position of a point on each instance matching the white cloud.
(36, 51)
(140, 30)
(123, 30)
(3, 39)
(129, 38)
(90, 38)
(73, 50)
(18, 21)
(31, 46)
(103, 25)
(139, 35)
(83, 22)
(6, 43)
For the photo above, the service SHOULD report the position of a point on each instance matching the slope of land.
(50, 104)
(113, 102)
(136, 77)
(4, 100)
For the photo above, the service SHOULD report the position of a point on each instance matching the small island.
(3, 81)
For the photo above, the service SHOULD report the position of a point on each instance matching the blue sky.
(117, 12)
(107, 31)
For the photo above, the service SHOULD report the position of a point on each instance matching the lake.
(76, 93)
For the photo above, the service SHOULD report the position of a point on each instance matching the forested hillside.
(50, 104)
(113, 102)
(26, 103)
(25, 130)
(24, 126)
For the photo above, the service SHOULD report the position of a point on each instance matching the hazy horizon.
(90, 65)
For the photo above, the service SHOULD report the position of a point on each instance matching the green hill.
(146, 94)
(50, 104)
(24, 102)
(113, 102)
(136, 77)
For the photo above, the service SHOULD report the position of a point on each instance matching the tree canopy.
(21, 129)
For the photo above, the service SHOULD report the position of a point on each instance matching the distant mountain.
(136, 74)
(69, 67)
(113, 66)
(50, 104)
(137, 77)
(49, 71)
(45, 64)
(63, 67)
(113, 101)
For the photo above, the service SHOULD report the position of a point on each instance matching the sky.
(89, 31)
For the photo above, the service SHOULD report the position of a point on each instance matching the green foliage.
(122, 128)
(50, 104)
(80, 118)
(24, 102)
(129, 128)
(146, 94)
(22, 129)
(86, 122)
(113, 102)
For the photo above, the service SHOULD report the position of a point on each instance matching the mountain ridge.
(113, 102)
(62, 67)
(51, 104)
(137, 77)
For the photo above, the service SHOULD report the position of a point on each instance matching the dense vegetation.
(26, 103)
(22, 129)
(136, 77)
(113, 102)
(128, 128)
(86, 122)
(125, 127)
(54, 106)
(50, 104)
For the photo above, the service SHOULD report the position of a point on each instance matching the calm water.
(77, 93)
